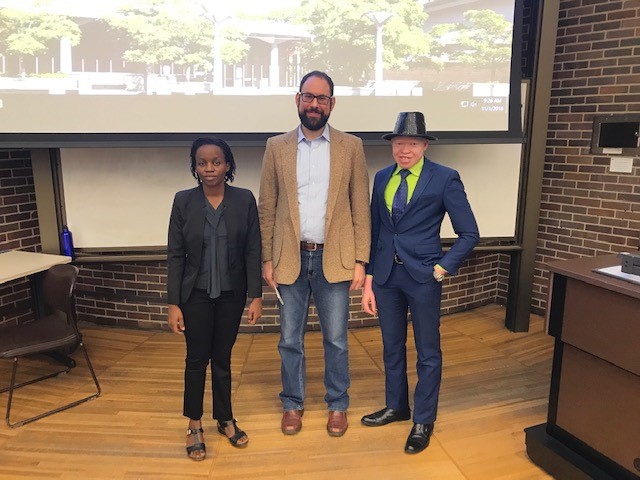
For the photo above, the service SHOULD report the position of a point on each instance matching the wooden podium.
(593, 421)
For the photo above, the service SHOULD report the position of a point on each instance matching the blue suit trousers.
(398, 295)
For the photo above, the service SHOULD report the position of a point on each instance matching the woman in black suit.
(214, 262)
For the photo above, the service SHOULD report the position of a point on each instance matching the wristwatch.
(364, 264)
(438, 277)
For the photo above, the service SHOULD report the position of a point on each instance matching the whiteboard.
(121, 197)
(490, 174)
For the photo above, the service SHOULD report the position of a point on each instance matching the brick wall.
(122, 294)
(481, 280)
(586, 210)
(18, 229)
(133, 295)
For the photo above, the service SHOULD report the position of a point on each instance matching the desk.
(593, 421)
(16, 264)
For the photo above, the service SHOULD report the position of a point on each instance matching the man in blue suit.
(407, 266)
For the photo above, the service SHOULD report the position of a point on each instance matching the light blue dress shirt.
(313, 168)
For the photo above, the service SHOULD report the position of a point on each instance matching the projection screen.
(163, 67)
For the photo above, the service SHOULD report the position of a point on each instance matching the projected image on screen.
(74, 66)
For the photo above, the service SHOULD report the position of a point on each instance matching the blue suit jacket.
(416, 235)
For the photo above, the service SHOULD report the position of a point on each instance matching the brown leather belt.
(311, 247)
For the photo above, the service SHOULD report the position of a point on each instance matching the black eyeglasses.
(308, 98)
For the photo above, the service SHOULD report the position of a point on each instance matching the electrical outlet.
(621, 165)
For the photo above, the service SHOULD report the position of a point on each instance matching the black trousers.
(211, 328)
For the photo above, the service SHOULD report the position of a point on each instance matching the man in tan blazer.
(315, 225)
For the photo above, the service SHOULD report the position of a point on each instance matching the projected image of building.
(447, 55)
(104, 50)
(94, 47)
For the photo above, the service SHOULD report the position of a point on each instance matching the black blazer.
(186, 232)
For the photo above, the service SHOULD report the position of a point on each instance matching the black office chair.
(52, 333)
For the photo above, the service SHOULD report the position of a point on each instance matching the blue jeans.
(332, 303)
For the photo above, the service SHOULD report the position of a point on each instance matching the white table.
(17, 264)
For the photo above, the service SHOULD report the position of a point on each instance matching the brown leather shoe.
(337, 423)
(291, 421)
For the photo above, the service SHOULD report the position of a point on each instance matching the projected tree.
(483, 40)
(30, 34)
(173, 31)
(342, 30)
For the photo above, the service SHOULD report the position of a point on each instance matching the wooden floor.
(495, 383)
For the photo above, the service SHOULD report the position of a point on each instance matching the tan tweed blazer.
(348, 219)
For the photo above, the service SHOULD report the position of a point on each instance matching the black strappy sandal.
(233, 440)
(198, 444)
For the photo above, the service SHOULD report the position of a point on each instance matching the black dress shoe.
(384, 416)
(419, 437)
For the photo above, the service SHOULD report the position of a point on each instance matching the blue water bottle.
(66, 240)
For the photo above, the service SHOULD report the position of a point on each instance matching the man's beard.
(313, 124)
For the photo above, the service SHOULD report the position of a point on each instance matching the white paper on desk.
(278, 295)
(616, 272)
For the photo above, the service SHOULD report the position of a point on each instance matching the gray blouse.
(214, 275)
